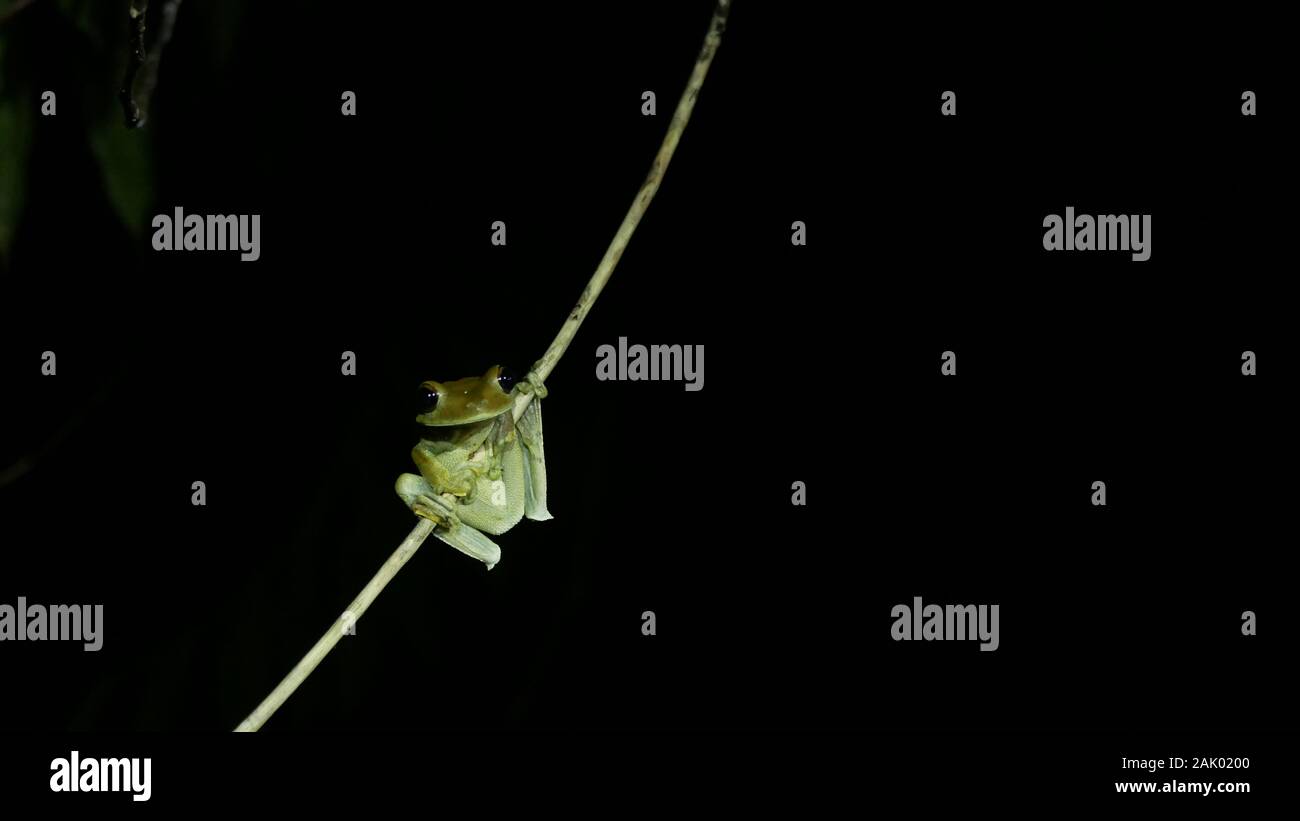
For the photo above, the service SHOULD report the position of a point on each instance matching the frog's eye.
(428, 399)
(506, 378)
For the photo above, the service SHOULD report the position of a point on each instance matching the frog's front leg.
(441, 478)
(534, 462)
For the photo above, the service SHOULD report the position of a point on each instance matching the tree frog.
(480, 472)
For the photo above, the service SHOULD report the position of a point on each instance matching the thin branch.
(340, 627)
(541, 370)
(647, 192)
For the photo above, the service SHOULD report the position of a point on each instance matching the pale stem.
(541, 370)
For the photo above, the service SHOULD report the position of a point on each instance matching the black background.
(924, 235)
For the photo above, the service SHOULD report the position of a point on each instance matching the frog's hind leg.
(418, 495)
(471, 542)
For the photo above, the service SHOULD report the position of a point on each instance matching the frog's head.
(468, 400)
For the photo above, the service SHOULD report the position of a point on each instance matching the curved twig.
(542, 369)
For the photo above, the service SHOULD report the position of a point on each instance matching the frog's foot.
(470, 482)
(532, 383)
(423, 502)
(437, 510)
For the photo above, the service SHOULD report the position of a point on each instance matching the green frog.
(480, 471)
